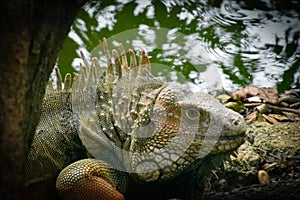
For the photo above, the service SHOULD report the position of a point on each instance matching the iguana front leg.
(91, 179)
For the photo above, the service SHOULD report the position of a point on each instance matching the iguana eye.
(192, 113)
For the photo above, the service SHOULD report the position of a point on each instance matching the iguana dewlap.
(140, 133)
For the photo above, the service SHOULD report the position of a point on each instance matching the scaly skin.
(146, 139)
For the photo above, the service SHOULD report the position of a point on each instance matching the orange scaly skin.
(88, 183)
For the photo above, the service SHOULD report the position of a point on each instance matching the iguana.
(123, 133)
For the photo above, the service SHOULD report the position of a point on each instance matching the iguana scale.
(124, 134)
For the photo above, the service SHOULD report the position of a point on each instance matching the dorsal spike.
(90, 76)
(109, 71)
(124, 59)
(85, 62)
(77, 82)
(117, 63)
(145, 62)
(67, 82)
(75, 79)
(58, 78)
(98, 70)
(133, 63)
(83, 72)
(49, 87)
(80, 78)
(144, 66)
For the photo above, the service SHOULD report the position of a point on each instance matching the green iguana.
(125, 134)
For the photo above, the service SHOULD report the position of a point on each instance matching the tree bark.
(32, 33)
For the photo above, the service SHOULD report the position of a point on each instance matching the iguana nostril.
(236, 122)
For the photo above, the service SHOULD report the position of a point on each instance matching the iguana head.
(180, 129)
(154, 129)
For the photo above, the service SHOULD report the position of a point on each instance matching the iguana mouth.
(220, 143)
(232, 137)
(229, 143)
(238, 131)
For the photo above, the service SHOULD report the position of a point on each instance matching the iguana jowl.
(141, 134)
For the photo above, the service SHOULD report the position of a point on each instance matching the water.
(209, 45)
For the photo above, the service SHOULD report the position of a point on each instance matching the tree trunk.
(32, 33)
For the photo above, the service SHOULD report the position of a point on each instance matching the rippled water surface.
(209, 45)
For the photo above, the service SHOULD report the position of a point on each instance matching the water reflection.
(209, 44)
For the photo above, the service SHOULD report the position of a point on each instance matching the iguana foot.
(91, 179)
